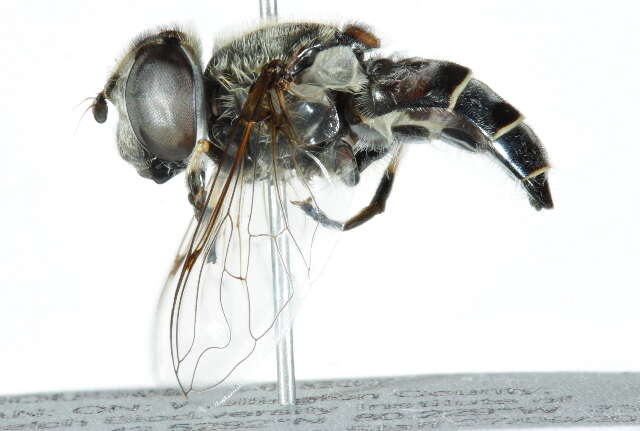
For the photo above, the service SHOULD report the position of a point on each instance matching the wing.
(218, 304)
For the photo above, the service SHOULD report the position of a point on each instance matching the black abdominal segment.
(417, 98)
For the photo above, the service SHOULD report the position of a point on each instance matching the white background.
(459, 275)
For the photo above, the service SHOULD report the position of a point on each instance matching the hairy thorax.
(310, 121)
(237, 63)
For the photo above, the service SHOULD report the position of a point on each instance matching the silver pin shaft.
(280, 259)
(269, 9)
(282, 291)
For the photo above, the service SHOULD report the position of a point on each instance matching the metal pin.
(282, 291)
(280, 258)
(269, 9)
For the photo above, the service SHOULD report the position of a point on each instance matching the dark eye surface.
(160, 101)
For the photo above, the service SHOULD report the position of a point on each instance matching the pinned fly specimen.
(297, 111)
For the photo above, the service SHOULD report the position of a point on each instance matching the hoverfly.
(297, 111)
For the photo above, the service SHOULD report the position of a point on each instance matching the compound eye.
(160, 100)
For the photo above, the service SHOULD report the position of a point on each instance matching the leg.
(379, 200)
(375, 207)
(196, 175)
